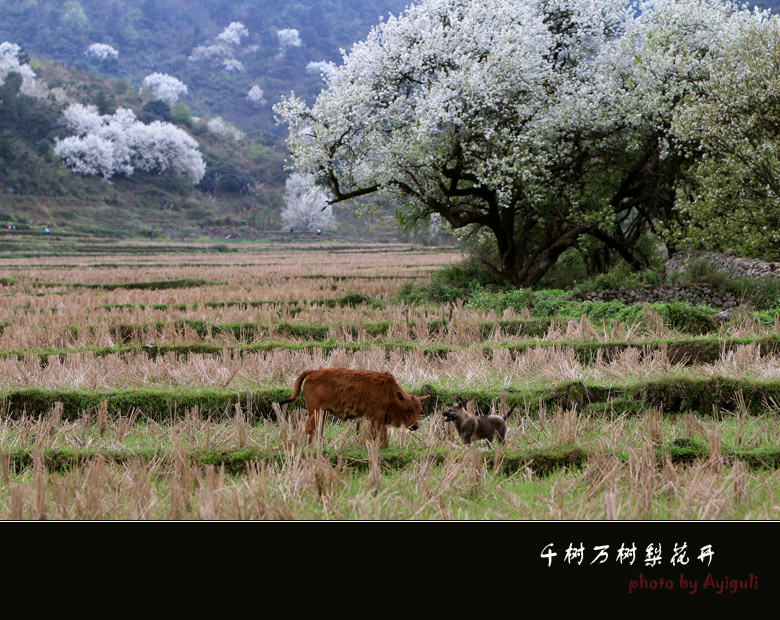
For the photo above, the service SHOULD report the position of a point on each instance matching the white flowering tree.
(101, 51)
(118, 144)
(233, 33)
(320, 67)
(531, 126)
(164, 87)
(11, 60)
(256, 96)
(232, 65)
(306, 206)
(215, 53)
(288, 37)
(220, 127)
(219, 52)
(163, 148)
(733, 122)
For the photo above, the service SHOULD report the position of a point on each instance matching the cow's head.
(407, 410)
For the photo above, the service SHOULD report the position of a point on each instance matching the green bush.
(685, 318)
(453, 283)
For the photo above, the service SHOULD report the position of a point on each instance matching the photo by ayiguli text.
(653, 556)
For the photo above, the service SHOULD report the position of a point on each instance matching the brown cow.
(350, 394)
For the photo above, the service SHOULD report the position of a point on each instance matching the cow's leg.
(380, 433)
(315, 424)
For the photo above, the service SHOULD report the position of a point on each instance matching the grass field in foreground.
(126, 398)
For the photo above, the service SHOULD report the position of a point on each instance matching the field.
(139, 381)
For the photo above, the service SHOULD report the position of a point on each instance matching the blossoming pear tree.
(733, 120)
(529, 126)
(118, 144)
(306, 206)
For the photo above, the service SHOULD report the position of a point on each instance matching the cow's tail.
(296, 388)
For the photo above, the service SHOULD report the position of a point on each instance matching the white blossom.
(107, 145)
(9, 62)
(214, 53)
(219, 51)
(233, 33)
(220, 127)
(82, 119)
(306, 206)
(101, 51)
(90, 155)
(232, 65)
(288, 37)
(255, 95)
(320, 67)
(165, 87)
(161, 148)
(523, 118)
(10, 49)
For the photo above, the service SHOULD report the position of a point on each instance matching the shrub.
(453, 283)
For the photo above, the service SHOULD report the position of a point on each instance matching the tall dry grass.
(472, 366)
(304, 484)
(622, 479)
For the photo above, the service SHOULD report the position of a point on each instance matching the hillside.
(235, 59)
(241, 192)
(182, 38)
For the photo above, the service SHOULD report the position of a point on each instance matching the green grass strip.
(154, 285)
(236, 461)
(705, 395)
(154, 403)
(687, 351)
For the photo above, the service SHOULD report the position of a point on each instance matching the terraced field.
(139, 381)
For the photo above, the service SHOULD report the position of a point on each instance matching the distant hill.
(182, 38)
(220, 50)
(240, 193)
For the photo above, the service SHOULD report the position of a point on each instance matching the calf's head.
(406, 411)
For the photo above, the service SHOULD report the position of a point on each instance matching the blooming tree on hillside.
(220, 51)
(214, 54)
(164, 87)
(118, 144)
(162, 148)
(306, 206)
(234, 33)
(220, 127)
(288, 37)
(529, 126)
(12, 59)
(256, 96)
(101, 51)
(232, 65)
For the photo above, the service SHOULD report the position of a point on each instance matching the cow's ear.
(400, 395)
(422, 399)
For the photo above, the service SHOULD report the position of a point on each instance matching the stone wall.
(728, 263)
(694, 294)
